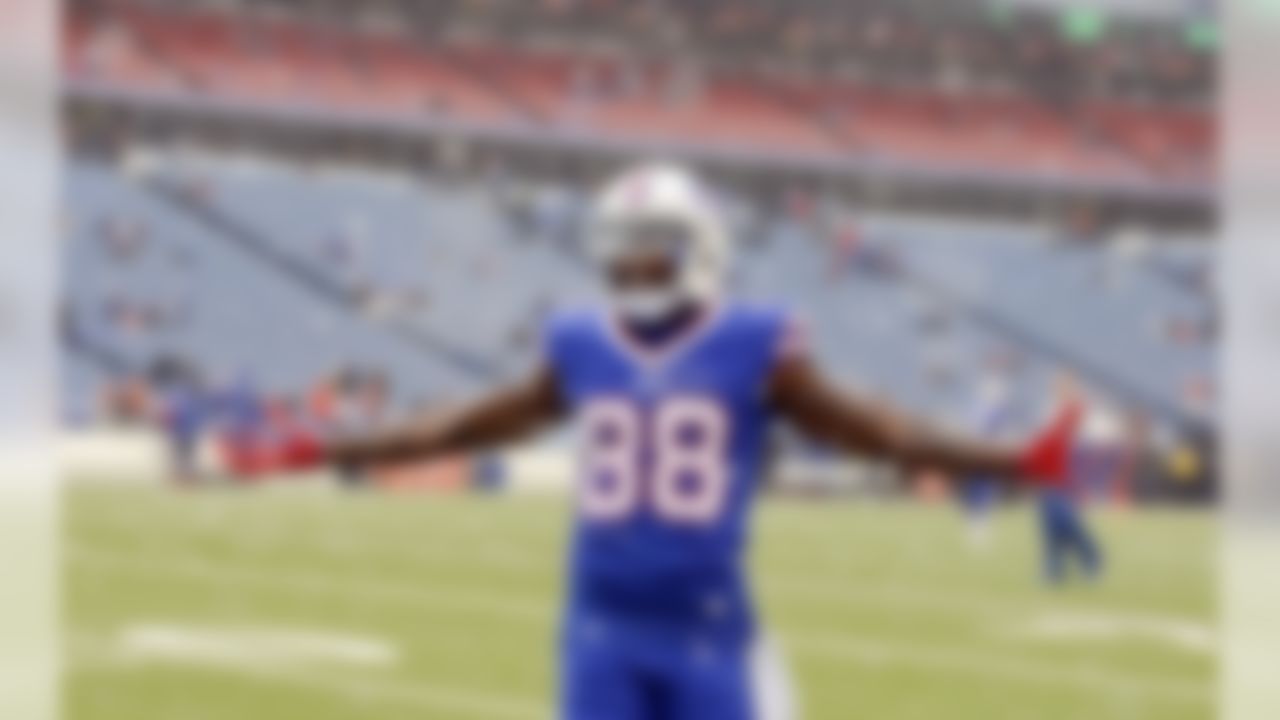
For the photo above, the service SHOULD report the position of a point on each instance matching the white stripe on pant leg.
(772, 695)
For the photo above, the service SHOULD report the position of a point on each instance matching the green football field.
(306, 603)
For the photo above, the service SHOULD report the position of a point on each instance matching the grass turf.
(882, 610)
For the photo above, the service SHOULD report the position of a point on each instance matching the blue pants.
(978, 496)
(609, 673)
(183, 449)
(1065, 534)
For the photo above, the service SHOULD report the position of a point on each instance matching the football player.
(675, 387)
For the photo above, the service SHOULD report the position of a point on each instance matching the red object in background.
(322, 402)
(285, 444)
(246, 459)
(255, 459)
(1047, 460)
(931, 486)
(252, 458)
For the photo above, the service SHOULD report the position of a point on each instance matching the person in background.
(1101, 453)
(184, 408)
(1064, 531)
(321, 401)
(992, 417)
(356, 408)
(244, 420)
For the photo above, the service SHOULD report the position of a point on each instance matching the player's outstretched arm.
(503, 416)
(859, 424)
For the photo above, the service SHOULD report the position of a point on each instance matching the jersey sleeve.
(560, 334)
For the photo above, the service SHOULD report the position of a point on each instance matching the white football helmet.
(661, 207)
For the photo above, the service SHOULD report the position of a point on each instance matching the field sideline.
(304, 603)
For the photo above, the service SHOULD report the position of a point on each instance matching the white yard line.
(239, 644)
(828, 646)
(430, 698)
(963, 661)
(1080, 626)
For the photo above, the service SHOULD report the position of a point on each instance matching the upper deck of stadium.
(859, 87)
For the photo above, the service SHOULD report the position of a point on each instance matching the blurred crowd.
(1061, 52)
(969, 87)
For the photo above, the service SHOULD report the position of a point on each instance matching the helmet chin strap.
(650, 305)
(657, 327)
(665, 306)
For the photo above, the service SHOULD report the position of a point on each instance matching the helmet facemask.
(659, 242)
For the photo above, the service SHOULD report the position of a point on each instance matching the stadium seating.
(450, 259)
(187, 292)
(275, 61)
(1091, 304)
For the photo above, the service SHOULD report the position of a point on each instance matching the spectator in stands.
(375, 398)
(185, 409)
(244, 408)
(556, 210)
(124, 238)
(128, 400)
(1197, 393)
(877, 258)
(322, 402)
(1101, 451)
(846, 243)
(992, 415)
(359, 399)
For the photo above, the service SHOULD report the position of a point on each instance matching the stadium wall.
(114, 455)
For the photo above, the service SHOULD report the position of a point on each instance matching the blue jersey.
(674, 444)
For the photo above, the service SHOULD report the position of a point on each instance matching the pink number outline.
(617, 457)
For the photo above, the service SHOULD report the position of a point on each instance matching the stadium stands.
(283, 61)
(441, 284)
(187, 292)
